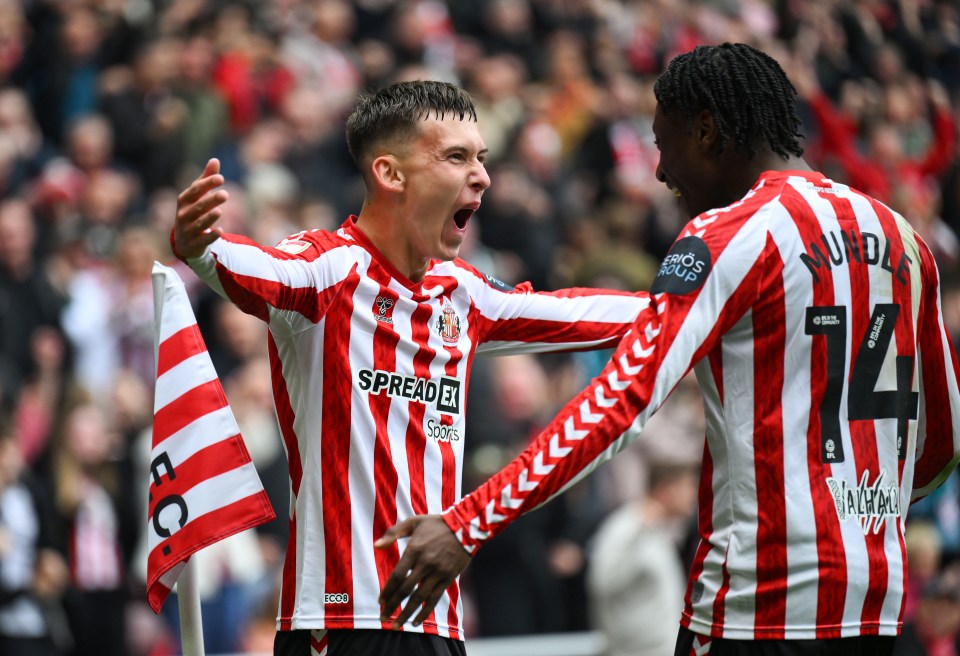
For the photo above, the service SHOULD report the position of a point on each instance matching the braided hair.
(745, 90)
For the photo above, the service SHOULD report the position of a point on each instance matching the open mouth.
(462, 216)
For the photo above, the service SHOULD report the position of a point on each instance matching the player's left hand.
(431, 561)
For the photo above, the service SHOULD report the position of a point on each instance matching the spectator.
(28, 298)
(636, 573)
(33, 575)
(93, 533)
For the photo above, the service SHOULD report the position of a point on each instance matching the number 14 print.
(863, 399)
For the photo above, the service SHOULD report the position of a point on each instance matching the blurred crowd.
(109, 107)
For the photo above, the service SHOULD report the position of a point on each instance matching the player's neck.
(387, 235)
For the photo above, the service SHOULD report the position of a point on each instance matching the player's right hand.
(198, 208)
(431, 561)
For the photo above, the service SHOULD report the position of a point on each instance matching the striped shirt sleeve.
(707, 281)
(297, 279)
(519, 320)
(938, 431)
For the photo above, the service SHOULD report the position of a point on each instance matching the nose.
(660, 176)
(481, 179)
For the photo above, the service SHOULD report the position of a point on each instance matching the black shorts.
(692, 644)
(364, 642)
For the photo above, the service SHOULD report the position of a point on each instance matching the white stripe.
(739, 394)
(172, 310)
(169, 578)
(362, 468)
(189, 374)
(514, 347)
(197, 435)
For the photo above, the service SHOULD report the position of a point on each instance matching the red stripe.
(200, 532)
(705, 526)
(552, 332)
(288, 583)
(448, 492)
(832, 569)
(285, 419)
(185, 343)
(184, 410)
(216, 459)
(416, 440)
(769, 342)
(938, 444)
(285, 415)
(335, 453)
(385, 477)
(254, 295)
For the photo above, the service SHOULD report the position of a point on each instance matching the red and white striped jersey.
(370, 374)
(811, 315)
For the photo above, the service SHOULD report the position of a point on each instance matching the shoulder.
(476, 280)
(311, 244)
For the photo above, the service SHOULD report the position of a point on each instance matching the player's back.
(812, 406)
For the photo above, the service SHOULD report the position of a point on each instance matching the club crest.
(448, 325)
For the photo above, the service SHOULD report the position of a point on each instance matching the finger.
(402, 530)
(399, 584)
(199, 187)
(428, 605)
(209, 214)
(201, 214)
(209, 236)
(212, 167)
(413, 604)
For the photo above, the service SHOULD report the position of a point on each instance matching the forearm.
(592, 428)
(567, 320)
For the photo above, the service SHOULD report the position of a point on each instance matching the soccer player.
(372, 331)
(811, 316)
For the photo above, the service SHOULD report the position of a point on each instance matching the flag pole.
(191, 620)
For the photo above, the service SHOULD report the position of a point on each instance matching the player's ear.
(705, 131)
(388, 173)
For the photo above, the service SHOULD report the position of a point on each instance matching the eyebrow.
(462, 148)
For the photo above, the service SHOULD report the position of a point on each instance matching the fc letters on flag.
(203, 486)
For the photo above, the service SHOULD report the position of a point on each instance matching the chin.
(448, 251)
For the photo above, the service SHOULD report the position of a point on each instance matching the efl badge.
(448, 325)
(383, 309)
(293, 246)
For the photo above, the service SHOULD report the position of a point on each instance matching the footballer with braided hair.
(810, 314)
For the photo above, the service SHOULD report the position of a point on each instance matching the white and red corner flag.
(203, 485)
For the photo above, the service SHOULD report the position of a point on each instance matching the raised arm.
(288, 281)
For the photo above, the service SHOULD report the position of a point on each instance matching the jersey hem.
(791, 633)
(319, 623)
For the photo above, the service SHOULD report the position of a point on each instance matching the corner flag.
(203, 485)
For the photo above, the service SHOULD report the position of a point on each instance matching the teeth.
(676, 192)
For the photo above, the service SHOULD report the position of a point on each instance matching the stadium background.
(108, 107)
